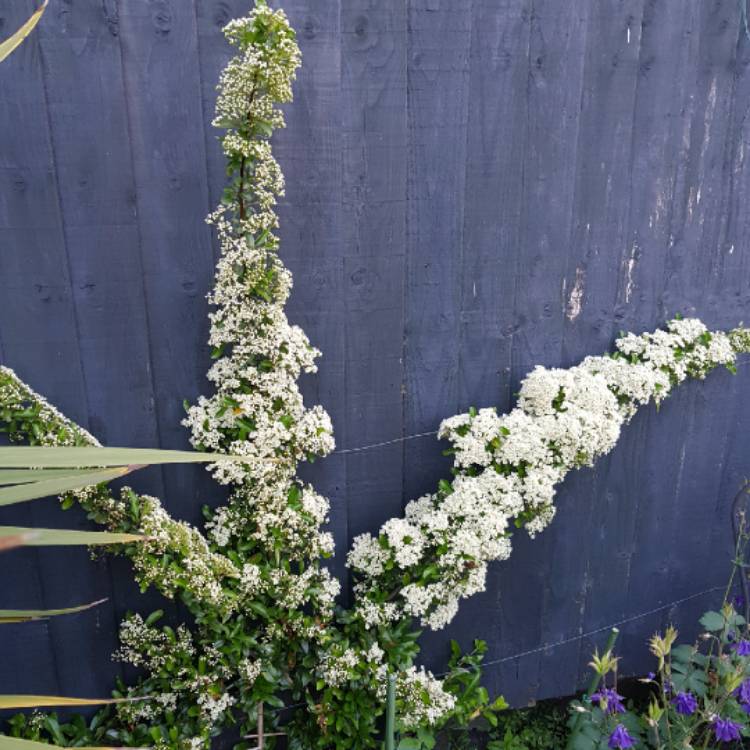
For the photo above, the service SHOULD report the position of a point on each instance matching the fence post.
(390, 713)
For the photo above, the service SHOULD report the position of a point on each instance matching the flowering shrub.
(264, 622)
(507, 468)
(699, 694)
(262, 604)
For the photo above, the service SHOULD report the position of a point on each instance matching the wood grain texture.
(473, 188)
(374, 242)
(161, 81)
(312, 159)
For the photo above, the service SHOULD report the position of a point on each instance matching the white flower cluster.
(275, 516)
(202, 571)
(50, 426)
(164, 533)
(508, 466)
(163, 651)
(422, 699)
(257, 409)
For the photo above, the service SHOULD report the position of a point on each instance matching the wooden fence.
(474, 187)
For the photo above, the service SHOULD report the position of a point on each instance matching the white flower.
(507, 467)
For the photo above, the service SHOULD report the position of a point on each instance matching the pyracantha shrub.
(264, 623)
(507, 466)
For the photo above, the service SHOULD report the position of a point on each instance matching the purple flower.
(738, 601)
(609, 700)
(725, 730)
(651, 675)
(685, 703)
(620, 738)
(742, 648)
(743, 692)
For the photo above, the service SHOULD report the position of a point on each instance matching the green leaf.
(27, 615)
(23, 492)
(33, 456)
(683, 653)
(500, 704)
(20, 476)
(713, 621)
(14, 40)
(15, 743)
(24, 537)
(38, 701)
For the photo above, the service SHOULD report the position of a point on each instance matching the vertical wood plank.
(90, 132)
(438, 110)
(83, 74)
(641, 492)
(311, 226)
(163, 96)
(374, 170)
(437, 79)
(600, 209)
(498, 120)
(695, 254)
(555, 79)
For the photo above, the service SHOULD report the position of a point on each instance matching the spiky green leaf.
(15, 743)
(14, 40)
(24, 476)
(33, 456)
(47, 701)
(33, 490)
(24, 537)
(27, 615)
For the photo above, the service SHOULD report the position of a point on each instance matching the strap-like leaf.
(14, 40)
(22, 492)
(62, 537)
(15, 743)
(23, 476)
(24, 457)
(40, 701)
(27, 615)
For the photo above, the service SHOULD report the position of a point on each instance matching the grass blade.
(23, 476)
(14, 40)
(28, 615)
(32, 491)
(15, 743)
(62, 537)
(24, 457)
(47, 701)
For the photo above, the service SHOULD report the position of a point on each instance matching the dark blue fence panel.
(473, 188)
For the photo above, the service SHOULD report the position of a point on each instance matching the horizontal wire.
(571, 639)
(386, 442)
(602, 629)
